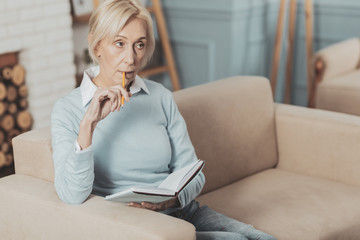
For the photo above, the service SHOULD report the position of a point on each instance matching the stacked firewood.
(14, 117)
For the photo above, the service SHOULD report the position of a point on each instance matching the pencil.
(123, 85)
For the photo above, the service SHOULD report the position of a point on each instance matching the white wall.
(41, 31)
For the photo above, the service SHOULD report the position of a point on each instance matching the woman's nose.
(129, 56)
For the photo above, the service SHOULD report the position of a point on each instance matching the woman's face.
(124, 53)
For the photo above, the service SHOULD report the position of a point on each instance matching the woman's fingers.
(147, 205)
(154, 206)
(134, 204)
(113, 99)
(117, 91)
(121, 92)
(109, 100)
(161, 206)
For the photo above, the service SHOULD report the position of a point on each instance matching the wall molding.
(207, 44)
(216, 10)
(333, 7)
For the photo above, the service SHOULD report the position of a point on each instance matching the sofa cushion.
(340, 94)
(291, 206)
(234, 135)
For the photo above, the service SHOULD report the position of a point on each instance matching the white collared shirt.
(88, 88)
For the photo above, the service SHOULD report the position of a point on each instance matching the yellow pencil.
(123, 85)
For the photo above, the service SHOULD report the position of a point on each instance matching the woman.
(102, 147)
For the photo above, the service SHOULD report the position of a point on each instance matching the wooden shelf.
(153, 71)
(81, 19)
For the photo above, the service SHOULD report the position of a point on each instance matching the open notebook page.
(178, 178)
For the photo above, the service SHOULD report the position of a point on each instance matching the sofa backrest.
(230, 122)
(232, 127)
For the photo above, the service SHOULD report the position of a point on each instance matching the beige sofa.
(290, 171)
(337, 77)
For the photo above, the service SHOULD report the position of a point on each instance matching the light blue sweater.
(137, 146)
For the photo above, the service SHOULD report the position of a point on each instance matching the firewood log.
(7, 122)
(23, 103)
(18, 75)
(9, 159)
(5, 147)
(2, 136)
(7, 73)
(11, 93)
(12, 108)
(2, 159)
(2, 91)
(23, 91)
(11, 134)
(24, 120)
(3, 108)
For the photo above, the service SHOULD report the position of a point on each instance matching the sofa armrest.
(32, 154)
(319, 143)
(338, 58)
(30, 209)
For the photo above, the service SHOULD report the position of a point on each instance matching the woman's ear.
(90, 44)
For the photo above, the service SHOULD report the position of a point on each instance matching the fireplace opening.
(14, 115)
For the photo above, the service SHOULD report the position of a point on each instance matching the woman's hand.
(104, 101)
(172, 203)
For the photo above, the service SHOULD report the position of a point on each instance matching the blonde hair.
(111, 17)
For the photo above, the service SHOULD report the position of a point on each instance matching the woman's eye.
(119, 44)
(140, 45)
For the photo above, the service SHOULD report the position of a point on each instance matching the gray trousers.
(211, 225)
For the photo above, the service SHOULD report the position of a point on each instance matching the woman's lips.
(129, 74)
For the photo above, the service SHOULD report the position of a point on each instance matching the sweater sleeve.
(183, 152)
(74, 170)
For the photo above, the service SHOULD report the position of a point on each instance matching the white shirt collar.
(88, 88)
